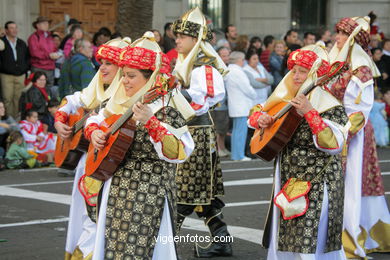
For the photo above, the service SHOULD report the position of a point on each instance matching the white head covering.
(352, 52)
(320, 99)
(120, 102)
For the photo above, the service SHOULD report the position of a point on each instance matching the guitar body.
(69, 151)
(102, 164)
(267, 143)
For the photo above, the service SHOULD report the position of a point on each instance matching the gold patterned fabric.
(327, 139)
(357, 122)
(77, 255)
(199, 178)
(173, 148)
(137, 195)
(300, 158)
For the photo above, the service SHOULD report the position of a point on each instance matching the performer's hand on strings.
(265, 121)
(142, 112)
(64, 131)
(98, 139)
(302, 104)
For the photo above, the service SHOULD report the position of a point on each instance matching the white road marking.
(248, 169)
(260, 160)
(37, 183)
(45, 196)
(255, 181)
(244, 233)
(246, 203)
(34, 222)
(248, 234)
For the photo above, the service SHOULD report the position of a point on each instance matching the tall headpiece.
(362, 36)
(193, 23)
(316, 60)
(112, 49)
(143, 54)
(355, 50)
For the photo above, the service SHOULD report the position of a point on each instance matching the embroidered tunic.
(310, 155)
(137, 192)
(301, 158)
(199, 178)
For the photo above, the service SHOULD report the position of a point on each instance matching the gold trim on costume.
(326, 139)
(256, 108)
(380, 232)
(77, 255)
(173, 148)
(357, 122)
(296, 188)
(349, 244)
(93, 186)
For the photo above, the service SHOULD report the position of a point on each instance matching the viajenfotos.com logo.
(193, 239)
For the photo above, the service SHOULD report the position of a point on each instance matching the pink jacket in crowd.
(40, 47)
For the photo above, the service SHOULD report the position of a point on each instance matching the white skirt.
(81, 229)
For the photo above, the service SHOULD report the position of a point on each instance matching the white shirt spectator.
(240, 92)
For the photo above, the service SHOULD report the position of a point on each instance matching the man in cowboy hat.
(42, 49)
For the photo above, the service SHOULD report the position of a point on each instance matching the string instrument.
(69, 151)
(268, 142)
(121, 129)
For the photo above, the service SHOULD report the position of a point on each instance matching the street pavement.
(35, 205)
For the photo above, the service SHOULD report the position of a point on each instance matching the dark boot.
(218, 229)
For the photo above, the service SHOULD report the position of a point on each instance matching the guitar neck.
(148, 97)
(118, 124)
(287, 107)
(79, 124)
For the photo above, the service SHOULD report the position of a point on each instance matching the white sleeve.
(351, 95)
(97, 119)
(201, 101)
(73, 103)
(339, 133)
(185, 139)
(29, 137)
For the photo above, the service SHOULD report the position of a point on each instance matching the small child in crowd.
(378, 120)
(48, 118)
(17, 156)
(37, 141)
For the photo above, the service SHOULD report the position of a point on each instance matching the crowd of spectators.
(36, 75)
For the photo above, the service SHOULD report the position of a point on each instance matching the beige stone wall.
(262, 17)
(167, 11)
(252, 17)
(23, 12)
(348, 8)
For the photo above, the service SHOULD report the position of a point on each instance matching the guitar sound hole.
(95, 153)
(261, 134)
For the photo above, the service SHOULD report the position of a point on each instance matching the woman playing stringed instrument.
(82, 216)
(138, 205)
(308, 184)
